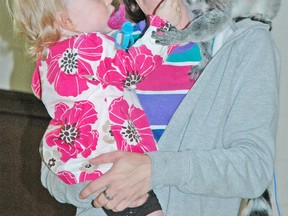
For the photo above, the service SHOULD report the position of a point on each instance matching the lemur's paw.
(195, 72)
(166, 35)
(197, 13)
(160, 38)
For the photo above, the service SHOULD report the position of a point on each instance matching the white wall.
(280, 34)
(16, 70)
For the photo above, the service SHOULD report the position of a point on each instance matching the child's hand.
(170, 11)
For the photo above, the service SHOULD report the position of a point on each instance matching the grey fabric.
(220, 143)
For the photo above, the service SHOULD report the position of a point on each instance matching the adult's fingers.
(95, 187)
(105, 158)
(102, 182)
(119, 203)
(103, 199)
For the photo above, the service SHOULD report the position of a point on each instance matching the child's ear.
(64, 21)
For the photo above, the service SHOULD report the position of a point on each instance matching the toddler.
(86, 85)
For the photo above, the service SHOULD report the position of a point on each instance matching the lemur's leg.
(206, 54)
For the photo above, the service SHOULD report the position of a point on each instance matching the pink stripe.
(167, 77)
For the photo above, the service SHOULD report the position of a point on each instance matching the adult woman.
(219, 146)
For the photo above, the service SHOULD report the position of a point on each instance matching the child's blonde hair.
(36, 19)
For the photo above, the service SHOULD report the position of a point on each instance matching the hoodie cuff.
(156, 21)
(168, 168)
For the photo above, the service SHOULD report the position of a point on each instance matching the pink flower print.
(130, 127)
(69, 63)
(128, 69)
(67, 177)
(73, 133)
(90, 172)
(36, 81)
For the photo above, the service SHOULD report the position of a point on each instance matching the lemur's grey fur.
(209, 17)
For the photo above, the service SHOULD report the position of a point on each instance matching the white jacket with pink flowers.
(86, 86)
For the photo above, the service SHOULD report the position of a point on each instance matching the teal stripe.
(189, 55)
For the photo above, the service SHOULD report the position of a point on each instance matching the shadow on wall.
(16, 67)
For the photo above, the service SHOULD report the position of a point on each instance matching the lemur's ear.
(63, 20)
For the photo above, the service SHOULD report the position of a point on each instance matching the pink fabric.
(118, 18)
(86, 85)
(73, 134)
(172, 78)
(131, 127)
(66, 78)
(137, 65)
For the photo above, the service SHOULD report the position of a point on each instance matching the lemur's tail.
(260, 206)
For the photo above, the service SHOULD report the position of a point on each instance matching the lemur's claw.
(160, 38)
(195, 72)
(166, 35)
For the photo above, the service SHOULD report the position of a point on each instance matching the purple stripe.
(160, 108)
(184, 48)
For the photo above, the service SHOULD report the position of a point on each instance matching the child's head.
(87, 15)
(44, 22)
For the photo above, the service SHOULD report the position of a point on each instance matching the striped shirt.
(163, 90)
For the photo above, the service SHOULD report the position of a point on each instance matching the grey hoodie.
(220, 144)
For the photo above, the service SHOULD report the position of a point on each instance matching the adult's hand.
(127, 182)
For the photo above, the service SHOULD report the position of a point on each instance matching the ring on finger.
(107, 196)
(93, 205)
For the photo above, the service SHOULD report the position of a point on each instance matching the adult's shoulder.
(247, 31)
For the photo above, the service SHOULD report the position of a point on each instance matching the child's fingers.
(175, 3)
(170, 10)
(169, 3)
